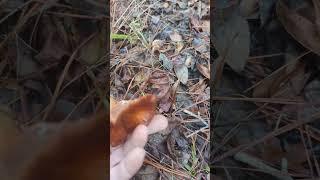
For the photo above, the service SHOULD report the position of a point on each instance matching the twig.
(198, 117)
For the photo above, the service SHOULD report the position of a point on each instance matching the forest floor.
(266, 89)
(162, 48)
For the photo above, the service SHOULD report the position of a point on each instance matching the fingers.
(158, 123)
(138, 138)
(129, 165)
(116, 156)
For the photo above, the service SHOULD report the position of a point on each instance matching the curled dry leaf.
(204, 70)
(299, 27)
(125, 116)
(157, 45)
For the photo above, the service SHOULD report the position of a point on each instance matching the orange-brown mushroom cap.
(125, 116)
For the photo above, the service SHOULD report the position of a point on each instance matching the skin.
(126, 159)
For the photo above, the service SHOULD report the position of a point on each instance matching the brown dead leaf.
(161, 88)
(296, 83)
(205, 26)
(203, 70)
(160, 83)
(165, 103)
(272, 84)
(195, 23)
(199, 87)
(300, 27)
(174, 93)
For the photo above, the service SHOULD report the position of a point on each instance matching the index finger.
(158, 123)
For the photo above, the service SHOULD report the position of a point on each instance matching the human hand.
(126, 159)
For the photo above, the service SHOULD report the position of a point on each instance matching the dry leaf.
(125, 116)
(179, 47)
(300, 28)
(157, 45)
(176, 37)
(199, 87)
(272, 84)
(232, 40)
(203, 70)
(165, 61)
(195, 23)
(161, 87)
(205, 26)
(182, 73)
